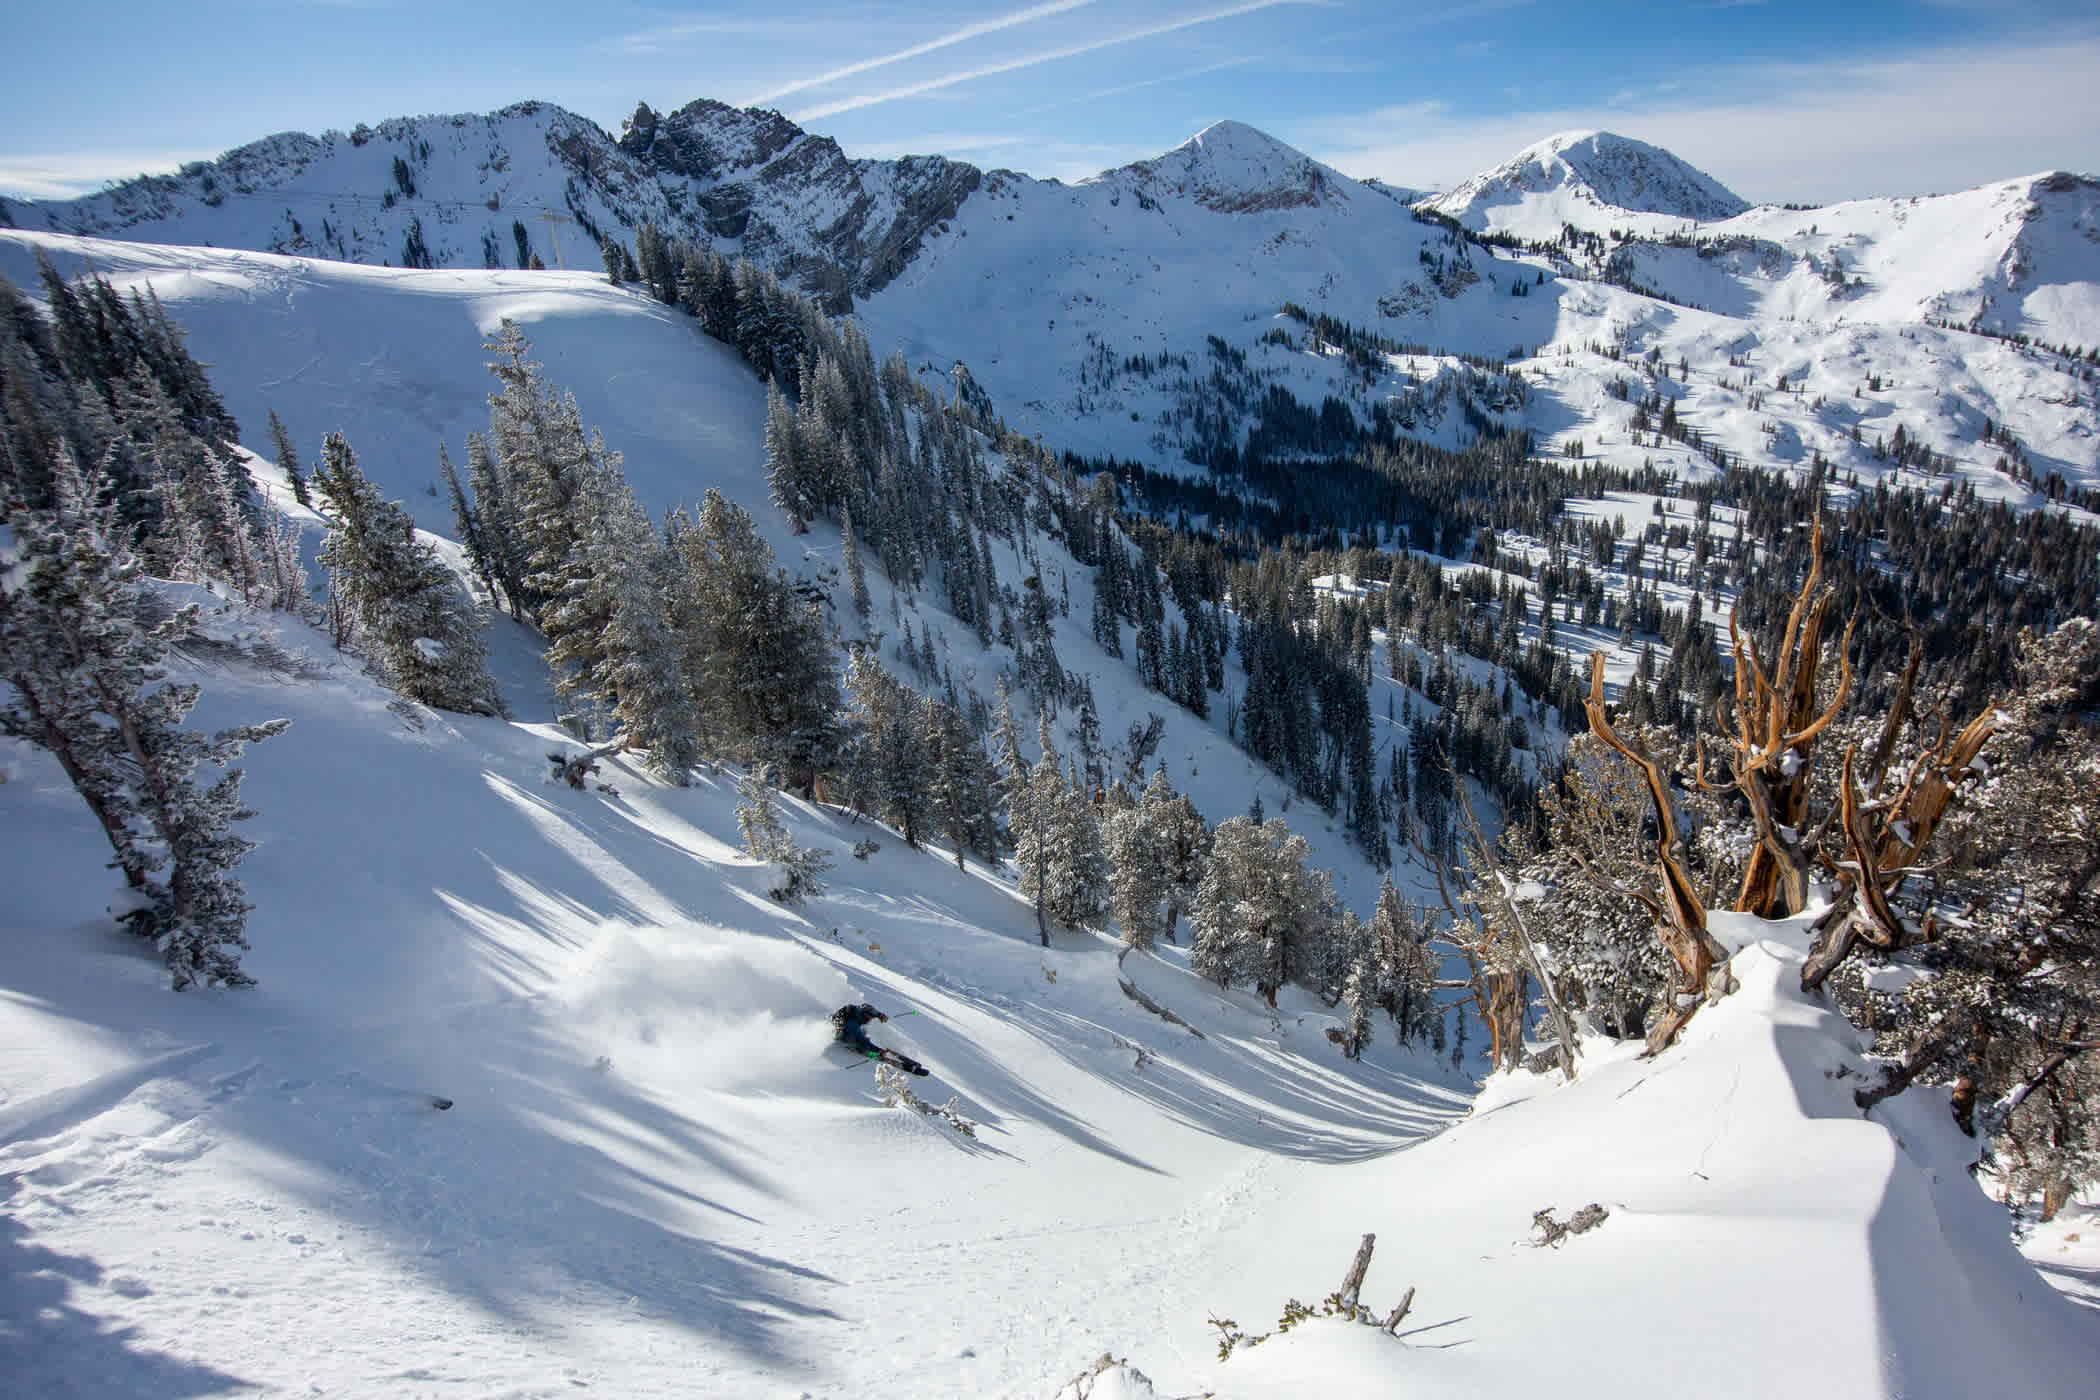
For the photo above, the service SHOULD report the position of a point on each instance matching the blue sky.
(1778, 100)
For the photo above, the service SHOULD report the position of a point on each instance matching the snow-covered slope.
(1762, 1238)
(1588, 179)
(655, 1180)
(2018, 256)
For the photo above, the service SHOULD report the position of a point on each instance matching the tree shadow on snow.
(547, 1184)
(51, 1346)
(1236, 1088)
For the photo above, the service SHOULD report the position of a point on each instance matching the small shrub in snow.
(1552, 1232)
(863, 849)
(896, 1093)
(1342, 1303)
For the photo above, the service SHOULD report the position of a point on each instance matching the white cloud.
(952, 37)
(856, 102)
(70, 176)
(1933, 121)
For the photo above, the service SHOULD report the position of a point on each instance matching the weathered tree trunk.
(1701, 963)
(1353, 1281)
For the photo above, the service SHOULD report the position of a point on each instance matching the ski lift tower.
(554, 221)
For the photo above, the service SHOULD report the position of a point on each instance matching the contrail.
(958, 36)
(1051, 56)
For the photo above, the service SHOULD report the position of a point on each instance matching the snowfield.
(658, 1180)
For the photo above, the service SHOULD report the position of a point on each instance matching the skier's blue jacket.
(852, 1023)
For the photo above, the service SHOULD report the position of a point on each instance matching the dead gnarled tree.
(1885, 830)
(1699, 964)
(1771, 740)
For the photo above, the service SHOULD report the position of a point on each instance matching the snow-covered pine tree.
(1403, 970)
(1359, 987)
(965, 787)
(1260, 915)
(87, 681)
(889, 763)
(2001, 939)
(284, 580)
(1078, 864)
(798, 869)
(233, 527)
(288, 459)
(1139, 860)
(411, 620)
(786, 472)
(546, 459)
(578, 583)
(638, 676)
(755, 654)
(494, 512)
(856, 577)
(1185, 842)
(1058, 843)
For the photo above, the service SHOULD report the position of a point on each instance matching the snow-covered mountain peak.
(1234, 169)
(705, 138)
(1599, 169)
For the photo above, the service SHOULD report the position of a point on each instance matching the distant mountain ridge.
(1601, 168)
(495, 189)
(498, 189)
(1100, 314)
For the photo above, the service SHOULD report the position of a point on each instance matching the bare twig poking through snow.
(896, 1093)
(1342, 1303)
(1144, 1056)
(1552, 1232)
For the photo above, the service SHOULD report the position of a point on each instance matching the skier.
(851, 1023)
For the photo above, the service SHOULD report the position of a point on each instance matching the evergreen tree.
(890, 763)
(964, 785)
(86, 680)
(288, 459)
(1139, 858)
(755, 655)
(1260, 915)
(408, 615)
(798, 870)
(856, 580)
(1401, 968)
(1184, 843)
